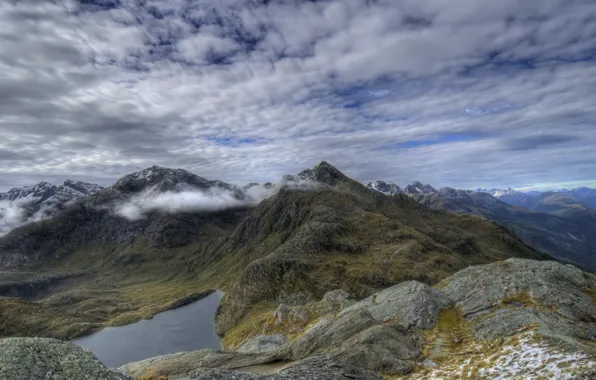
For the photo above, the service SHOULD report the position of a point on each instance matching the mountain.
(568, 235)
(513, 197)
(157, 237)
(20, 206)
(384, 187)
(582, 196)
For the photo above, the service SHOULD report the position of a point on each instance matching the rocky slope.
(568, 235)
(516, 318)
(512, 319)
(340, 234)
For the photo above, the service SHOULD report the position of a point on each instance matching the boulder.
(383, 348)
(42, 358)
(412, 303)
(327, 334)
(262, 343)
(544, 284)
(186, 362)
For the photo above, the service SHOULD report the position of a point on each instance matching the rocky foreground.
(513, 318)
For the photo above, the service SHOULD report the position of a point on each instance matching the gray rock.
(328, 334)
(324, 368)
(412, 303)
(382, 348)
(315, 368)
(506, 322)
(549, 284)
(42, 358)
(262, 343)
(186, 362)
(335, 296)
(281, 312)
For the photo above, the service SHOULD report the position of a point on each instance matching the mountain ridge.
(568, 233)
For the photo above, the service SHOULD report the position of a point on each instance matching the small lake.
(186, 328)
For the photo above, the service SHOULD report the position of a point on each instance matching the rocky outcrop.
(503, 297)
(411, 303)
(316, 368)
(40, 358)
(263, 343)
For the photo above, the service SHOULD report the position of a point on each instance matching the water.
(186, 328)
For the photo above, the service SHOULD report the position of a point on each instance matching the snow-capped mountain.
(27, 204)
(163, 179)
(419, 188)
(499, 192)
(416, 188)
(384, 187)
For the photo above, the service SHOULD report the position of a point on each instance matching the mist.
(214, 199)
(14, 214)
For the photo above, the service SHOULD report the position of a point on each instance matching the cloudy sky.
(463, 93)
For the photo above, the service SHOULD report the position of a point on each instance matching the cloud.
(214, 199)
(14, 214)
(534, 142)
(249, 90)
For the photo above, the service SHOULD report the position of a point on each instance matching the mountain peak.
(384, 187)
(161, 178)
(323, 173)
(418, 187)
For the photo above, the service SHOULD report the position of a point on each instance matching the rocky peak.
(384, 187)
(419, 188)
(83, 188)
(162, 179)
(42, 190)
(324, 173)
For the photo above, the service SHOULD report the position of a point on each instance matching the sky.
(462, 93)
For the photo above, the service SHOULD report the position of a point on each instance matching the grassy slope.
(352, 239)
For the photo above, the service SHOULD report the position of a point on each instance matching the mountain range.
(20, 206)
(554, 222)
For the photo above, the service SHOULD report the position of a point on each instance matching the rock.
(315, 368)
(324, 368)
(413, 303)
(383, 348)
(429, 363)
(281, 312)
(506, 322)
(544, 284)
(346, 303)
(329, 333)
(182, 363)
(335, 296)
(263, 343)
(42, 358)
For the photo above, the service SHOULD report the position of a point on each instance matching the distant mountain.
(385, 188)
(546, 201)
(511, 196)
(555, 223)
(22, 205)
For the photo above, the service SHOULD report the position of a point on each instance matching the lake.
(186, 328)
